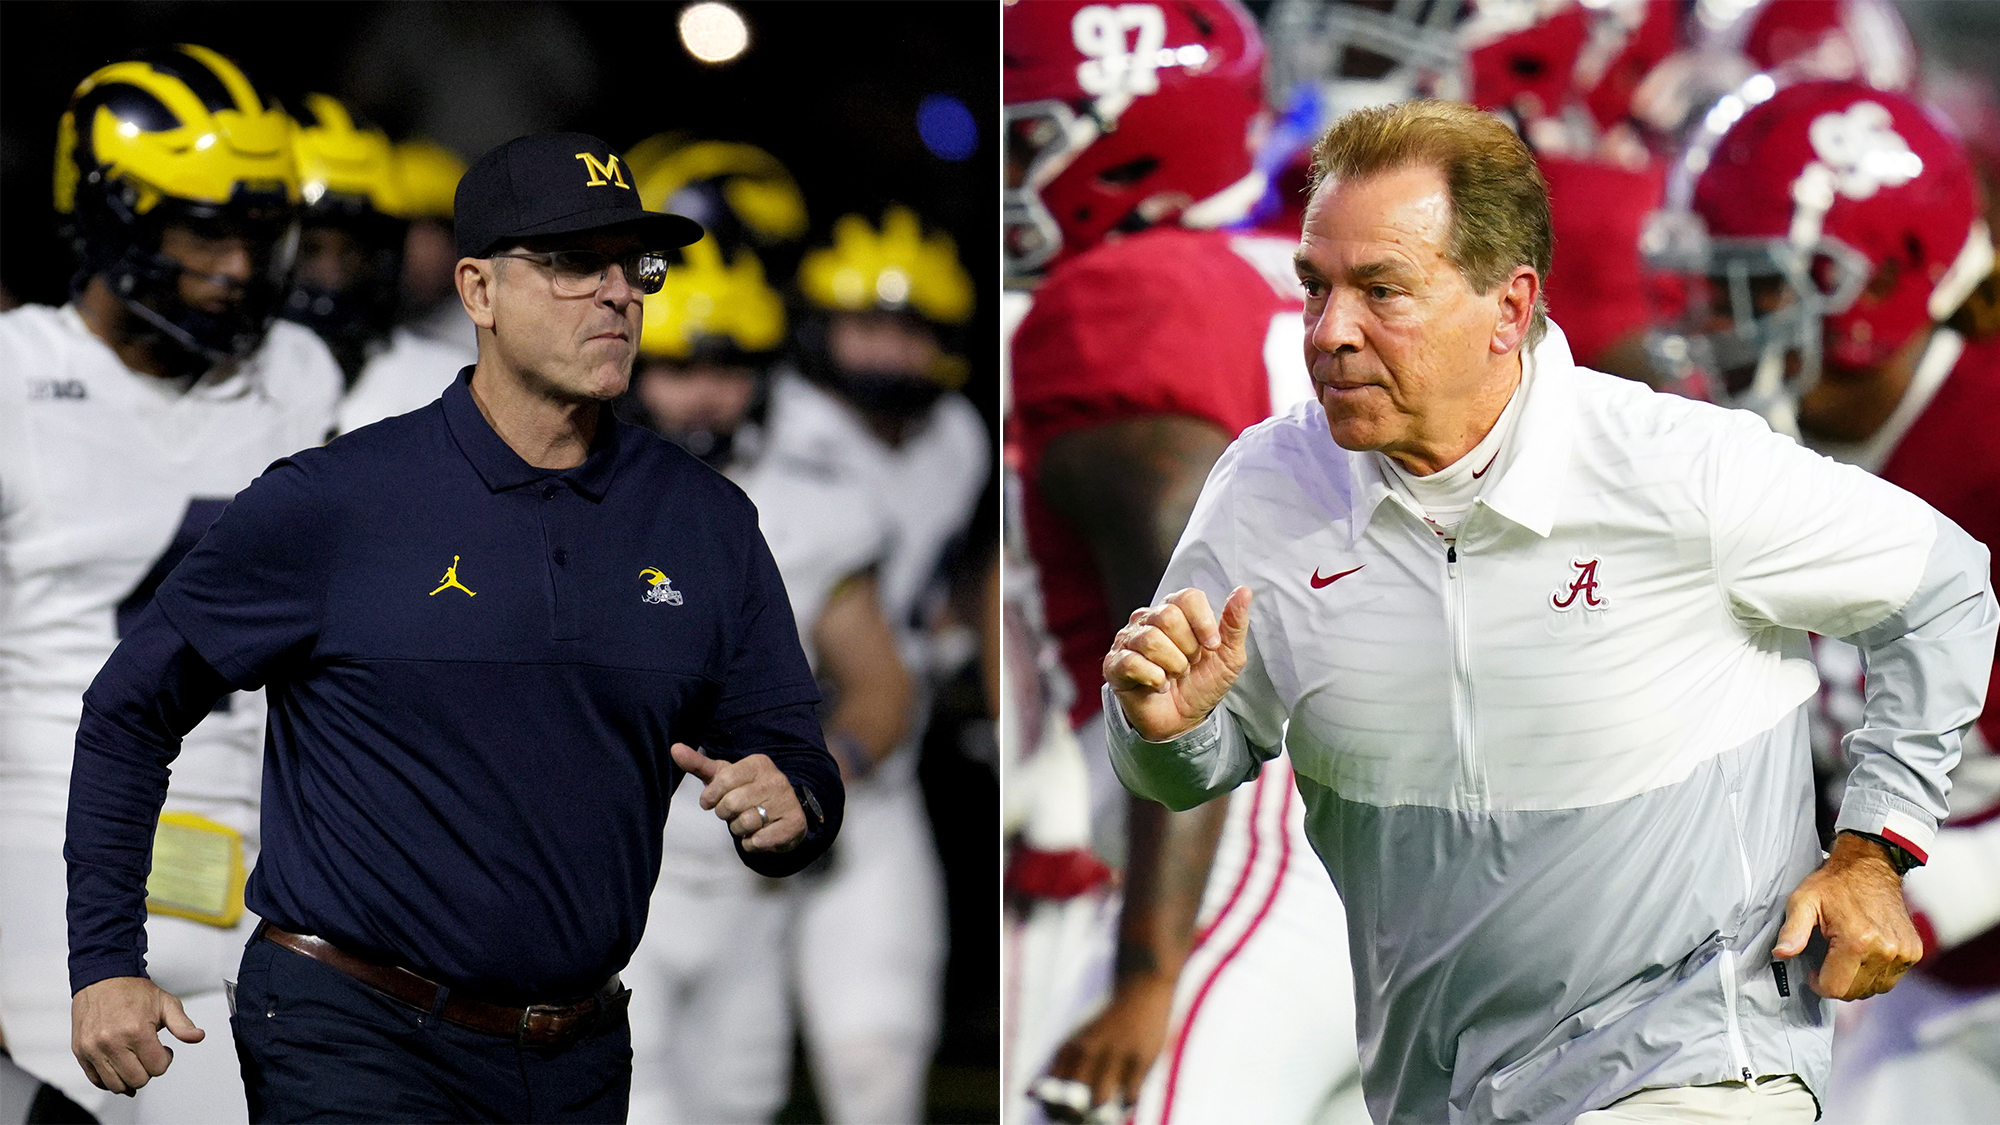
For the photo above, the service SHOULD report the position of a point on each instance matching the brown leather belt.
(539, 1025)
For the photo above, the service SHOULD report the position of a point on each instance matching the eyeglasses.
(579, 273)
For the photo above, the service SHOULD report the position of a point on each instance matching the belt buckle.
(554, 1013)
(527, 1018)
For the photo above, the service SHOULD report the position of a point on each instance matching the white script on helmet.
(1863, 151)
(1113, 67)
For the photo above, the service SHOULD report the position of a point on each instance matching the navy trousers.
(318, 1045)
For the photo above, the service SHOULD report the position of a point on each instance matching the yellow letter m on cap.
(605, 172)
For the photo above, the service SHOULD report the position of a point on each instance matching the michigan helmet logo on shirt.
(603, 172)
(659, 588)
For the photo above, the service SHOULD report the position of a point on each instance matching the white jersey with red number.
(107, 477)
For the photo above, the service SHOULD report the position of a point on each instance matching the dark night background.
(832, 90)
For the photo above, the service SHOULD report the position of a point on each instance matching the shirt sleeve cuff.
(1182, 772)
(83, 974)
(1896, 820)
(1203, 738)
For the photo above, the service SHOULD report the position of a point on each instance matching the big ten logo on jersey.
(72, 389)
(1284, 340)
(1124, 47)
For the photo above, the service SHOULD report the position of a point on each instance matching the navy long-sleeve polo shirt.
(475, 670)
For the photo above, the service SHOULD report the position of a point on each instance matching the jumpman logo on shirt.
(451, 580)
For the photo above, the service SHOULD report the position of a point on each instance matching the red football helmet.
(1830, 216)
(1572, 65)
(1125, 116)
(1789, 42)
(1846, 40)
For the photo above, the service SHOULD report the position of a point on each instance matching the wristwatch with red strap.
(1899, 856)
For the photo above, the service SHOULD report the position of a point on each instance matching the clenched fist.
(1173, 662)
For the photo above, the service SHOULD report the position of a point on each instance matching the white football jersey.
(409, 375)
(822, 517)
(833, 499)
(819, 510)
(108, 477)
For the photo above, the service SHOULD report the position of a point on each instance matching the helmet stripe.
(225, 69)
(200, 79)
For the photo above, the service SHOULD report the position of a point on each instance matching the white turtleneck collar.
(1448, 494)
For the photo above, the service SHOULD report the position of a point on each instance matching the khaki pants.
(1771, 1101)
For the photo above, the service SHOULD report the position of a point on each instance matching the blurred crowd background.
(878, 119)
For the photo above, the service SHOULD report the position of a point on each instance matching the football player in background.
(1834, 236)
(1329, 57)
(427, 176)
(864, 463)
(1153, 339)
(128, 418)
(1565, 76)
(350, 267)
(711, 1041)
(878, 333)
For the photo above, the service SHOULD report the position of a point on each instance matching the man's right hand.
(115, 1032)
(1172, 663)
(1112, 1053)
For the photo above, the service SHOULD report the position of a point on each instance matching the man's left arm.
(1825, 547)
(763, 760)
(1926, 684)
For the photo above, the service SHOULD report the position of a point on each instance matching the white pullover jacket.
(1558, 770)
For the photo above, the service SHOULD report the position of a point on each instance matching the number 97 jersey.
(108, 477)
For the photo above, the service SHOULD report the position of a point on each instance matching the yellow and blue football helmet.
(178, 135)
(355, 217)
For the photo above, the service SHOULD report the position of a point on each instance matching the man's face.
(882, 344)
(331, 258)
(217, 262)
(682, 398)
(1767, 294)
(1397, 341)
(571, 348)
(428, 259)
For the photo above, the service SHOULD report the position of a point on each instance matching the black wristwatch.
(809, 805)
(1899, 856)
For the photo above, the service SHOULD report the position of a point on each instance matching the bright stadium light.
(713, 31)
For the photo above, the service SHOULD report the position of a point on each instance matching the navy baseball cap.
(556, 183)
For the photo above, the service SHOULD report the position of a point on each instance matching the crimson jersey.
(1950, 456)
(1596, 210)
(1204, 324)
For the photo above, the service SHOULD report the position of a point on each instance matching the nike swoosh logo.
(1482, 472)
(1319, 583)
